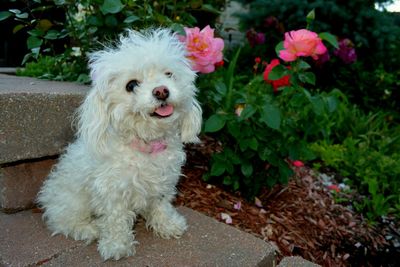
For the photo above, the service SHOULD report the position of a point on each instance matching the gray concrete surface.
(296, 262)
(24, 240)
(35, 116)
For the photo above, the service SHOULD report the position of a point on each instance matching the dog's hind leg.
(67, 210)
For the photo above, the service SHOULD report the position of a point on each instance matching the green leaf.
(215, 123)
(317, 104)
(36, 32)
(33, 42)
(178, 28)
(234, 129)
(247, 169)
(95, 21)
(330, 38)
(253, 143)
(221, 88)
(15, 11)
(303, 65)
(51, 35)
(229, 79)
(131, 19)
(332, 102)
(372, 186)
(111, 21)
(22, 15)
(277, 72)
(284, 172)
(26, 58)
(278, 48)
(271, 115)
(264, 153)
(18, 28)
(111, 6)
(217, 169)
(227, 180)
(307, 77)
(247, 112)
(210, 8)
(5, 15)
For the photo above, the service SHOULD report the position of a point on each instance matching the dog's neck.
(152, 147)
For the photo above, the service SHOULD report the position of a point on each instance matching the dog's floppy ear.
(93, 120)
(191, 123)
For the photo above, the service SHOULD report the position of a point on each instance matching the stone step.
(35, 126)
(35, 116)
(25, 241)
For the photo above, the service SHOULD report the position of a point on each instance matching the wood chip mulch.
(300, 219)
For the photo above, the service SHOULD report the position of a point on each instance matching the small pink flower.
(226, 217)
(237, 205)
(258, 202)
(301, 43)
(298, 163)
(203, 49)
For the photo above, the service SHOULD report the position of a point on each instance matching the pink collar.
(154, 147)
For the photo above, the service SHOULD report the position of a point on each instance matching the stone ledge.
(35, 116)
(24, 240)
(19, 183)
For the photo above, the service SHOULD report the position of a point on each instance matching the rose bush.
(262, 131)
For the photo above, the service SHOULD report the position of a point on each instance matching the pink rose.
(301, 43)
(203, 49)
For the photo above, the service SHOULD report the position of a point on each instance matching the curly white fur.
(103, 182)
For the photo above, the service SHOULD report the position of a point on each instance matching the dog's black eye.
(168, 74)
(130, 86)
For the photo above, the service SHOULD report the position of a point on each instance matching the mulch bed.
(301, 218)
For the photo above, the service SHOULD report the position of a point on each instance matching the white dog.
(127, 157)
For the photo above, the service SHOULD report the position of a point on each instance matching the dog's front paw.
(174, 227)
(86, 232)
(116, 249)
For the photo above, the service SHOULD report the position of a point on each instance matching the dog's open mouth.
(163, 111)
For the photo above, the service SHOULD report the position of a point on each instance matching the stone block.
(20, 183)
(35, 116)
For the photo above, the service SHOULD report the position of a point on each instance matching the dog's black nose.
(161, 92)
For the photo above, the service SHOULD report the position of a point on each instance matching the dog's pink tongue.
(165, 111)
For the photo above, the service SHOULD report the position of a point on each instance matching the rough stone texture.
(8, 70)
(296, 262)
(35, 116)
(24, 240)
(20, 183)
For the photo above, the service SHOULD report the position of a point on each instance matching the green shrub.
(374, 174)
(85, 25)
(273, 129)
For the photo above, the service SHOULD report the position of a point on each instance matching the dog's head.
(142, 87)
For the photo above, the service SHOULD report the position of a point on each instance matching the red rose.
(284, 81)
